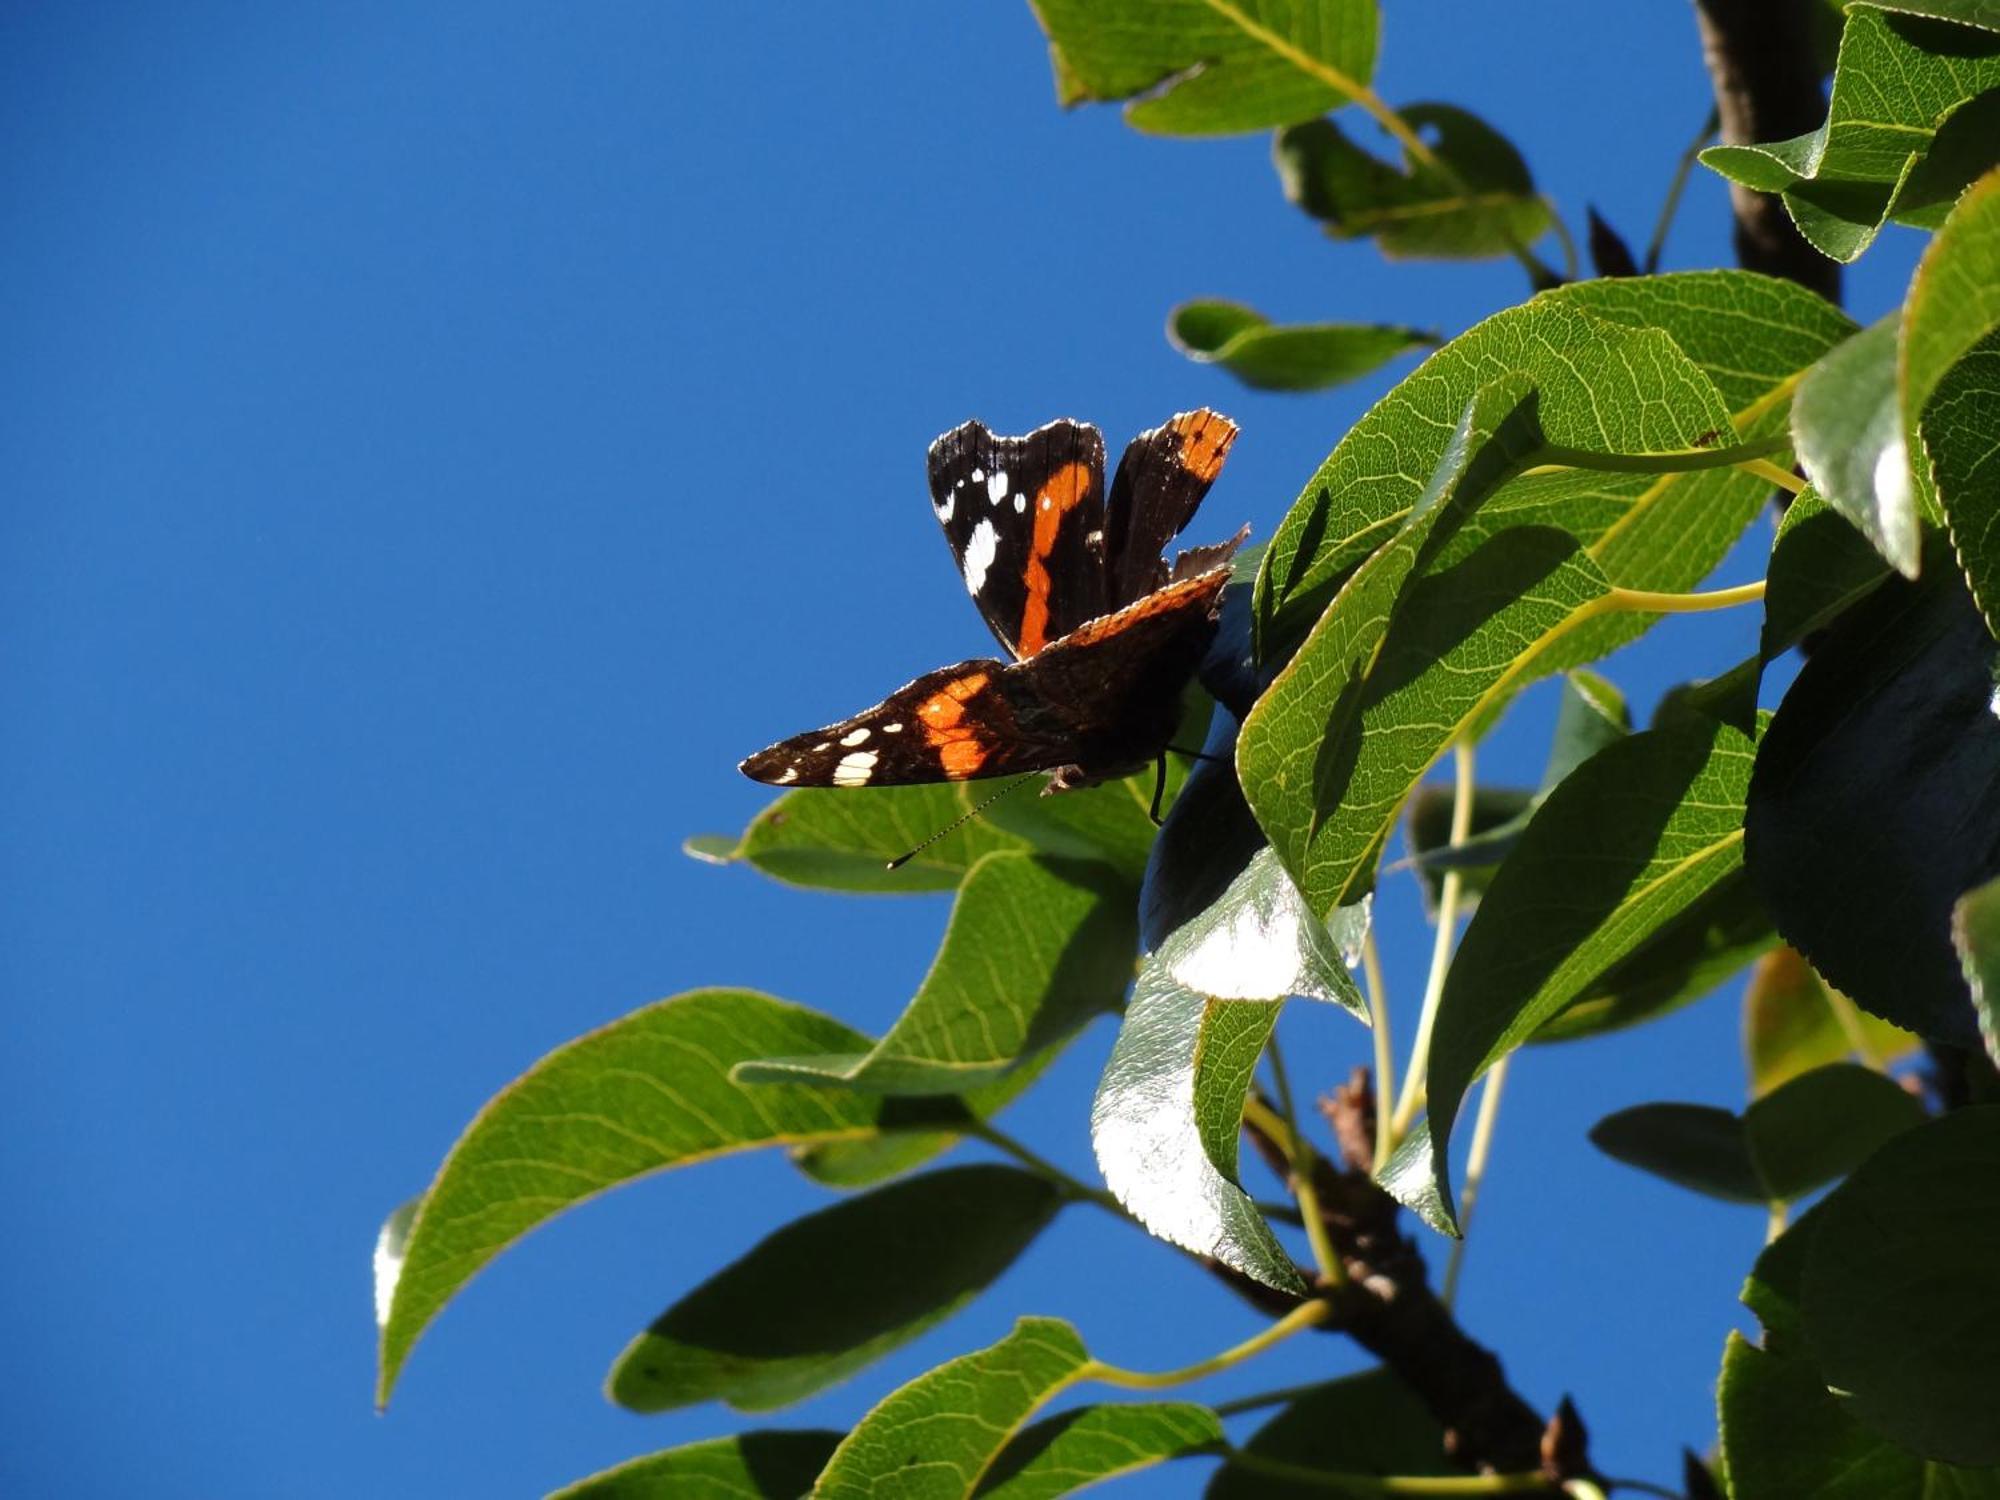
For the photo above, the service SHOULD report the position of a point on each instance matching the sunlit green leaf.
(1155, 1138)
(1876, 792)
(1975, 933)
(1784, 1437)
(842, 839)
(1900, 1286)
(1065, 1453)
(1629, 840)
(646, 1092)
(1196, 68)
(1480, 202)
(1259, 941)
(1890, 146)
(1069, 937)
(934, 1438)
(1954, 303)
(1751, 336)
(1793, 1023)
(749, 1466)
(1369, 1423)
(1290, 357)
(833, 1292)
(1848, 428)
(1961, 436)
(872, 1159)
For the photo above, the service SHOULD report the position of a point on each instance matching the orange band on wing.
(1066, 489)
(960, 750)
(1205, 438)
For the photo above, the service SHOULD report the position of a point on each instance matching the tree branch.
(1766, 81)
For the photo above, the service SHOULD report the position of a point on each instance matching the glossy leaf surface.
(1156, 1137)
(1290, 357)
(935, 1438)
(1906, 129)
(1196, 68)
(1068, 1452)
(1847, 424)
(1369, 1423)
(1068, 935)
(1975, 933)
(832, 1292)
(646, 1092)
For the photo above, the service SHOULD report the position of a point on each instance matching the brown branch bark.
(1760, 63)
(1387, 1306)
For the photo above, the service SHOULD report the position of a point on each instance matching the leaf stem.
(1331, 1271)
(1447, 930)
(1675, 187)
(1305, 1315)
(1386, 1484)
(1679, 461)
(1775, 1224)
(1564, 239)
(1643, 601)
(1000, 1140)
(1385, 1058)
(1784, 479)
(1475, 1173)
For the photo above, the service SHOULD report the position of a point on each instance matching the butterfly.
(1103, 634)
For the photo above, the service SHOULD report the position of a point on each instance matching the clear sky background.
(436, 443)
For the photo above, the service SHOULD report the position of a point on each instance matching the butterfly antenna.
(959, 822)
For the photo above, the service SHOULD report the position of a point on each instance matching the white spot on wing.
(822, 745)
(996, 487)
(859, 736)
(791, 774)
(980, 549)
(978, 475)
(892, 728)
(950, 504)
(854, 769)
(1020, 502)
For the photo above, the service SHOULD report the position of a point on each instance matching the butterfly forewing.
(1025, 519)
(1160, 482)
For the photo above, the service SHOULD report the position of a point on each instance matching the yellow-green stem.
(1387, 1484)
(1302, 1157)
(1305, 1315)
(1475, 1174)
(1411, 1098)
(1385, 1060)
(1644, 601)
(1783, 479)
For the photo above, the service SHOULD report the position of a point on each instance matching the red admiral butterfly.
(1104, 633)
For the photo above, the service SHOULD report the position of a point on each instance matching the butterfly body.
(1104, 635)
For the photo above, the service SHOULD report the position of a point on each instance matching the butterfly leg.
(1159, 788)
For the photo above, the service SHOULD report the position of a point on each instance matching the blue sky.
(436, 444)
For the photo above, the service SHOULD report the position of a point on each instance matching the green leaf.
(1889, 147)
(1792, 1023)
(1751, 336)
(934, 1438)
(1211, 67)
(1369, 1423)
(1157, 1136)
(873, 1159)
(1784, 1436)
(749, 1466)
(1695, 1145)
(1822, 1125)
(1295, 357)
(1690, 954)
(1975, 933)
(831, 1293)
(1900, 1289)
(842, 839)
(1062, 1454)
(1630, 839)
(1876, 792)
(1847, 425)
(1259, 941)
(646, 1092)
(1819, 566)
(1961, 435)
(1068, 935)
(1772, 1289)
(1482, 203)
(1953, 303)
(1591, 715)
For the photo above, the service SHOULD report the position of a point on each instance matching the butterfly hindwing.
(1025, 519)
(1160, 482)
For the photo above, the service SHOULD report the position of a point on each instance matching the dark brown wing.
(1025, 518)
(1160, 483)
